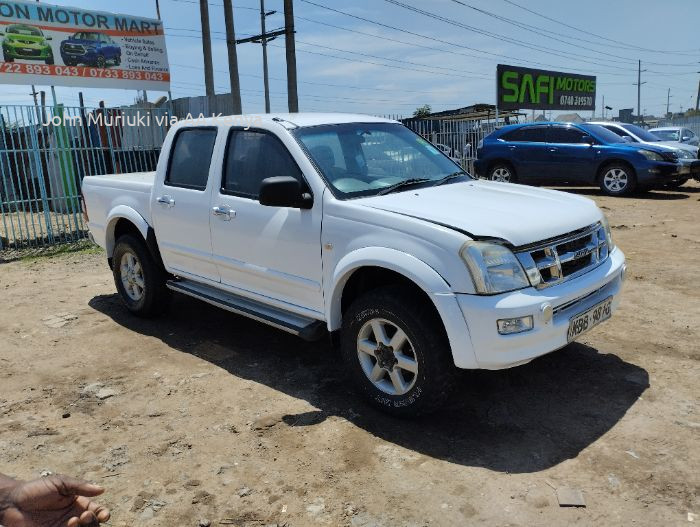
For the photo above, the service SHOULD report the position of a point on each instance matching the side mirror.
(284, 191)
(684, 139)
(48, 38)
(588, 140)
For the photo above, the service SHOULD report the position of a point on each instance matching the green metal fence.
(46, 151)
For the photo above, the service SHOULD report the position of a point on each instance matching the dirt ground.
(203, 415)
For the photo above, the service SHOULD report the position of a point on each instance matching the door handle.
(166, 200)
(553, 149)
(512, 147)
(225, 212)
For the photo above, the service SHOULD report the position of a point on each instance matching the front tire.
(139, 279)
(100, 62)
(617, 179)
(396, 352)
(502, 172)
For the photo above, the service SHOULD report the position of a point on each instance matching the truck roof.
(299, 119)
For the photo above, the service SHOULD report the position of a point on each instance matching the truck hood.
(484, 209)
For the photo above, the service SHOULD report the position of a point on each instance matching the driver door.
(270, 252)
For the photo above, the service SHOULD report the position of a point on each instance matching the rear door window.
(528, 134)
(190, 158)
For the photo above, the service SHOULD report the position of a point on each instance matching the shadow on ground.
(521, 420)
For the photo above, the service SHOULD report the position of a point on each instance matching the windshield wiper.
(450, 177)
(403, 184)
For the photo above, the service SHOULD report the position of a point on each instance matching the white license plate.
(590, 318)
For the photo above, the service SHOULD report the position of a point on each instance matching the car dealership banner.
(527, 88)
(64, 46)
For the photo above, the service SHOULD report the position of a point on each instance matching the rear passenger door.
(527, 150)
(180, 210)
(272, 254)
(570, 157)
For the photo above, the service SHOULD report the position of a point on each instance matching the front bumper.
(27, 52)
(655, 173)
(491, 350)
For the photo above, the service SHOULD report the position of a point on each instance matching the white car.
(676, 134)
(637, 134)
(356, 227)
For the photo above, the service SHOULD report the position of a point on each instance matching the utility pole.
(232, 58)
(639, 92)
(206, 48)
(697, 99)
(263, 15)
(263, 38)
(158, 8)
(603, 107)
(292, 97)
(668, 101)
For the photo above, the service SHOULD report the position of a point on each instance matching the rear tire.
(139, 279)
(100, 62)
(408, 370)
(503, 172)
(617, 179)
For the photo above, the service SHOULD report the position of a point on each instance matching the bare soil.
(201, 414)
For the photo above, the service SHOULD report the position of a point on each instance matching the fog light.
(508, 326)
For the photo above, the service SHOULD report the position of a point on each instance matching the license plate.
(590, 318)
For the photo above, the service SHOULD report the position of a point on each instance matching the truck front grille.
(560, 259)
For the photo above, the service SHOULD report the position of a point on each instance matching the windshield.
(643, 134)
(24, 30)
(360, 159)
(667, 135)
(602, 134)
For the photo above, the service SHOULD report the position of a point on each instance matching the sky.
(444, 54)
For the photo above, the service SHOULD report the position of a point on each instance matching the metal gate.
(458, 139)
(45, 152)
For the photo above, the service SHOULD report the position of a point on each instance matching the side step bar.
(303, 327)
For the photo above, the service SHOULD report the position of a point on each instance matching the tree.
(423, 111)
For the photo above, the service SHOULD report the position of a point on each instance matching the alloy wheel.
(501, 174)
(387, 356)
(132, 276)
(615, 180)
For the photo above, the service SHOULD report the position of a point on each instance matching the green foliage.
(423, 111)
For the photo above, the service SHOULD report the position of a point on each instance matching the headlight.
(685, 154)
(608, 233)
(493, 268)
(651, 156)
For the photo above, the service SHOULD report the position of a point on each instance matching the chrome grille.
(561, 259)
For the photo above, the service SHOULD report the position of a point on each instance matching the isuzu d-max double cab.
(355, 226)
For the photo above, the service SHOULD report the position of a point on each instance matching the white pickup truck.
(355, 227)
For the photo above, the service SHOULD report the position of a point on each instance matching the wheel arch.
(125, 220)
(501, 161)
(614, 161)
(370, 264)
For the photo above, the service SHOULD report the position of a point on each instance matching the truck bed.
(103, 194)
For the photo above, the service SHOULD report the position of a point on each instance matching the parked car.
(584, 154)
(637, 134)
(26, 42)
(91, 48)
(356, 227)
(676, 134)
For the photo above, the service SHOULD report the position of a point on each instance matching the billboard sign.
(527, 88)
(65, 46)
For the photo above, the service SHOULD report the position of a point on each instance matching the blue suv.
(91, 48)
(566, 153)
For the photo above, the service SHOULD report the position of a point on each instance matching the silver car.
(677, 134)
(636, 134)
